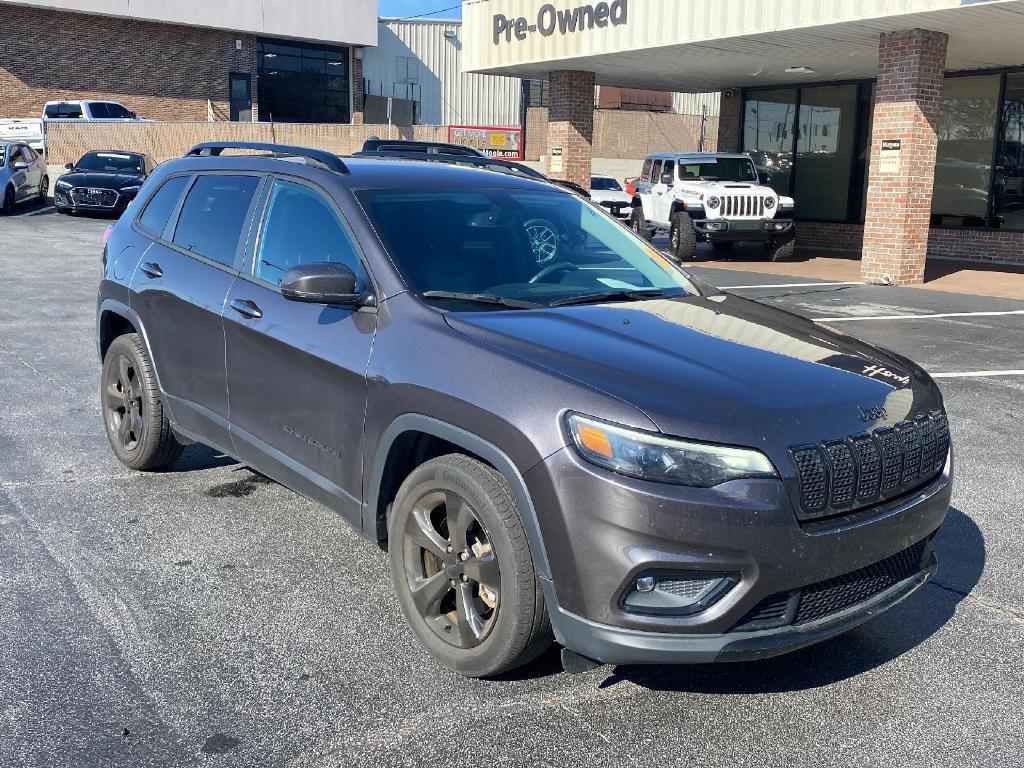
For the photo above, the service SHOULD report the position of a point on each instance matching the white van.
(29, 130)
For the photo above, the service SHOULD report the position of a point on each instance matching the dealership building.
(897, 126)
(287, 60)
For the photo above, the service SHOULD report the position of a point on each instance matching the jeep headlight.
(647, 456)
(712, 202)
(769, 203)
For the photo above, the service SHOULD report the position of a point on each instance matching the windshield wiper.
(598, 298)
(480, 298)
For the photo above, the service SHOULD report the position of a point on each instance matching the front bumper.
(742, 230)
(610, 529)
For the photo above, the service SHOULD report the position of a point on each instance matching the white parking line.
(783, 285)
(36, 213)
(975, 374)
(935, 316)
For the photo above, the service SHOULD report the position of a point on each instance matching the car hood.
(609, 196)
(717, 368)
(100, 180)
(718, 188)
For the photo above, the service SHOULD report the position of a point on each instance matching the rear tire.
(639, 225)
(44, 189)
(782, 252)
(7, 207)
(462, 568)
(137, 426)
(682, 236)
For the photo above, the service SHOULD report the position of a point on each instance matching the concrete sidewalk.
(970, 277)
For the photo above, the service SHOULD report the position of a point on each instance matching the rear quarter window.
(646, 172)
(158, 209)
(213, 215)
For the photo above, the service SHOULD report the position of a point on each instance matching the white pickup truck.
(716, 198)
(29, 130)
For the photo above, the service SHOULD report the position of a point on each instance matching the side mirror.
(762, 177)
(668, 178)
(322, 283)
(133, 116)
(69, 166)
(20, 165)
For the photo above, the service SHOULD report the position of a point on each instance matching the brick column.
(356, 81)
(571, 124)
(907, 103)
(730, 113)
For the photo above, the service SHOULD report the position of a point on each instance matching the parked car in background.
(30, 130)
(102, 181)
(22, 175)
(89, 109)
(715, 198)
(608, 193)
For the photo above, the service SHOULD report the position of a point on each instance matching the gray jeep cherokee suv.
(597, 448)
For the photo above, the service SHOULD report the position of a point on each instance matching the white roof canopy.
(705, 45)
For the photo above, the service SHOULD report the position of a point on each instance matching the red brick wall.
(907, 104)
(571, 124)
(161, 71)
(729, 122)
(968, 244)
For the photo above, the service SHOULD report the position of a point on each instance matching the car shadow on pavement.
(197, 457)
(960, 547)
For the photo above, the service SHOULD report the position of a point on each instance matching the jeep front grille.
(743, 206)
(843, 475)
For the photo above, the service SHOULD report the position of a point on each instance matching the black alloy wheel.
(451, 567)
(123, 395)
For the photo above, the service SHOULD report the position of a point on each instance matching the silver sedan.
(22, 175)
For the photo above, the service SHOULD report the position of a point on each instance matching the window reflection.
(825, 147)
(768, 135)
(303, 83)
(966, 134)
(1009, 170)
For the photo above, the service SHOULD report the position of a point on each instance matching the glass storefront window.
(963, 167)
(768, 121)
(1008, 210)
(826, 142)
(303, 82)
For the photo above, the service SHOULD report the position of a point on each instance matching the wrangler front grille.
(743, 206)
(842, 475)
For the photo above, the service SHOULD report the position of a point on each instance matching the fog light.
(646, 583)
(715, 226)
(679, 594)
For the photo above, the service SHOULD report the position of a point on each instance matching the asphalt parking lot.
(206, 616)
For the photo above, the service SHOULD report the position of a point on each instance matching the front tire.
(782, 252)
(7, 207)
(639, 225)
(44, 189)
(137, 426)
(682, 236)
(462, 568)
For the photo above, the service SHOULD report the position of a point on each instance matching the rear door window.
(161, 205)
(645, 172)
(213, 215)
(301, 227)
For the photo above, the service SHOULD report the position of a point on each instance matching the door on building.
(241, 97)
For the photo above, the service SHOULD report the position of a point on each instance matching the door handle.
(152, 269)
(246, 308)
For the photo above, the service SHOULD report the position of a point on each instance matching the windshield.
(110, 162)
(532, 248)
(720, 169)
(605, 184)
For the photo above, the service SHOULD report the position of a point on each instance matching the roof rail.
(328, 160)
(477, 161)
(432, 147)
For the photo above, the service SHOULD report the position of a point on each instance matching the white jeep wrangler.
(718, 198)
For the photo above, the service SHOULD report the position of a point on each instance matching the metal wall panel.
(447, 95)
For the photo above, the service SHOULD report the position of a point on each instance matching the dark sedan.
(102, 181)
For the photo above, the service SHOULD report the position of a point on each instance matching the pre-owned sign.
(503, 143)
(550, 20)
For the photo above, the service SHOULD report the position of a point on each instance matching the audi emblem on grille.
(842, 475)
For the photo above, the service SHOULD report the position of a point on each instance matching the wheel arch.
(391, 465)
(115, 319)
